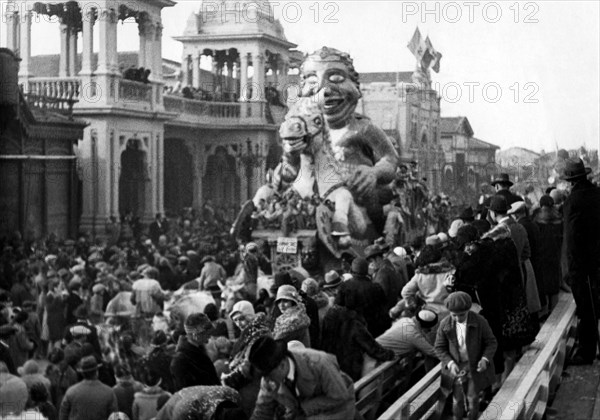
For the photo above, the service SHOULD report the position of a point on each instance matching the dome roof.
(235, 17)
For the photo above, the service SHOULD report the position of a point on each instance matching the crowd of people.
(471, 296)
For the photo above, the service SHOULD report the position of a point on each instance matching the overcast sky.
(525, 74)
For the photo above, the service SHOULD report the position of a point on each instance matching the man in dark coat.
(157, 228)
(373, 308)
(384, 274)
(191, 365)
(581, 213)
(520, 213)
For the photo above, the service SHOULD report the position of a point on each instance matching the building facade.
(468, 161)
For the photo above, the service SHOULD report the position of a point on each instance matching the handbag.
(519, 328)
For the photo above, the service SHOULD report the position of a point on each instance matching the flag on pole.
(433, 56)
(416, 45)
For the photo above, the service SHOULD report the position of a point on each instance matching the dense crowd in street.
(183, 322)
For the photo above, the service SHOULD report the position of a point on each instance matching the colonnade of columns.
(238, 69)
(18, 38)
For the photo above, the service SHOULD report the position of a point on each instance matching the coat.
(390, 282)
(55, 316)
(372, 305)
(345, 335)
(88, 400)
(550, 226)
(191, 366)
(581, 212)
(324, 391)
(480, 343)
(428, 283)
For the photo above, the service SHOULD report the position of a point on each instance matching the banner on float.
(287, 245)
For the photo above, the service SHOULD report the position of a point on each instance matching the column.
(157, 70)
(196, 70)
(150, 31)
(12, 28)
(73, 34)
(259, 77)
(185, 70)
(215, 70)
(107, 54)
(161, 173)
(88, 43)
(243, 76)
(25, 46)
(143, 40)
(229, 87)
(63, 63)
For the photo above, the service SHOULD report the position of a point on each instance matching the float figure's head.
(329, 76)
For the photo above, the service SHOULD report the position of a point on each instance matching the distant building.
(520, 163)
(410, 113)
(469, 161)
(38, 167)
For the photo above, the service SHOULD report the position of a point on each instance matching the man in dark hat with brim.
(306, 383)
(89, 399)
(374, 300)
(581, 212)
(502, 184)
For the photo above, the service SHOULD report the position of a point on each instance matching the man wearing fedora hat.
(502, 184)
(581, 212)
(89, 399)
(384, 274)
(306, 383)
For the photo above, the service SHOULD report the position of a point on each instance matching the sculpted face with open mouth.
(330, 83)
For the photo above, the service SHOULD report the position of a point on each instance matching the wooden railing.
(54, 87)
(387, 381)
(533, 381)
(526, 391)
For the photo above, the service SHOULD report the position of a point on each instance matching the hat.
(69, 242)
(207, 259)
(432, 240)
(251, 246)
(197, 322)
(29, 304)
(373, 251)
(30, 367)
(14, 395)
(88, 364)
(454, 226)
(385, 247)
(159, 339)
(81, 312)
(502, 179)
(310, 286)
(50, 258)
(75, 283)
(400, 251)
(242, 307)
(287, 292)
(442, 237)
(118, 415)
(98, 288)
(467, 214)
(63, 272)
(426, 318)
(281, 278)
(574, 168)
(498, 204)
(517, 207)
(346, 277)
(546, 201)
(266, 353)
(360, 266)
(332, 279)
(458, 302)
